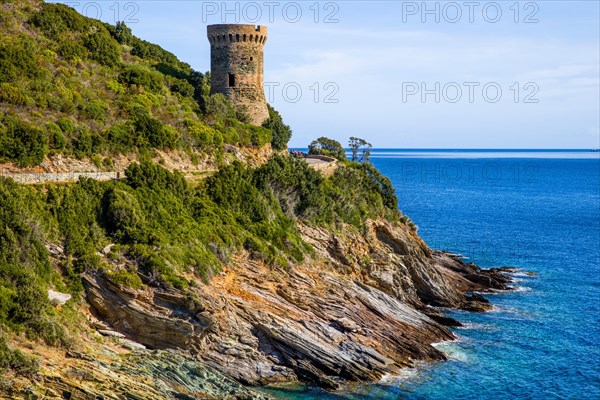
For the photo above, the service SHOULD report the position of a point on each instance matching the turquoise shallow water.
(536, 210)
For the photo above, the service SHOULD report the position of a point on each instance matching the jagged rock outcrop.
(156, 319)
(358, 309)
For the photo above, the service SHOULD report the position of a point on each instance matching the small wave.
(475, 326)
(444, 342)
(496, 308)
(521, 274)
(403, 375)
(451, 350)
(518, 289)
(512, 312)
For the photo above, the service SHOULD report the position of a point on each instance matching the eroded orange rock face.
(356, 310)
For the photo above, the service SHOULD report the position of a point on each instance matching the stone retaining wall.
(48, 177)
(319, 157)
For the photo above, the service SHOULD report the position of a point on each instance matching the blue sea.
(536, 210)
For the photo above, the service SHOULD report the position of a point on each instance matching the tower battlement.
(237, 64)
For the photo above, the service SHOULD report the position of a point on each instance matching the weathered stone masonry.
(237, 63)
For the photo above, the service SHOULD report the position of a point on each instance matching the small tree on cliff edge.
(358, 144)
(327, 147)
(280, 131)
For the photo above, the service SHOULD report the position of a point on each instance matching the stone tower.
(236, 64)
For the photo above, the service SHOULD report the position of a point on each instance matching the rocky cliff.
(284, 274)
(359, 308)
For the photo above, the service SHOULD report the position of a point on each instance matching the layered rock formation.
(156, 375)
(359, 308)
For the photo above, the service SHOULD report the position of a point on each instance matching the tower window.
(231, 80)
(250, 58)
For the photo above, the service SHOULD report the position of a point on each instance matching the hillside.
(268, 274)
(155, 286)
(76, 88)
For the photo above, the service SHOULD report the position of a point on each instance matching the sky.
(406, 74)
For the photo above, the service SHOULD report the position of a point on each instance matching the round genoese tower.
(236, 66)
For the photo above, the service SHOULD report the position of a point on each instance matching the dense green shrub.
(201, 84)
(56, 137)
(327, 147)
(141, 76)
(153, 176)
(281, 133)
(153, 134)
(122, 138)
(182, 87)
(66, 125)
(124, 216)
(56, 19)
(78, 211)
(376, 182)
(18, 60)
(122, 33)
(126, 278)
(15, 360)
(87, 143)
(21, 142)
(298, 187)
(152, 52)
(12, 94)
(353, 193)
(96, 110)
(62, 99)
(71, 49)
(25, 269)
(244, 134)
(202, 136)
(219, 107)
(103, 48)
(49, 330)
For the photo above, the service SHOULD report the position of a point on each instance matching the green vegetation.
(83, 88)
(25, 269)
(282, 133)
(119, 93)
(15, 360)
(17, 59)
(327, 147)
(163, 229)
(361, 149)
(22, 142)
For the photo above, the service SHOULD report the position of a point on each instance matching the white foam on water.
(511, 311)
(451, 350)
(402, 376)
(518, 289)
(474, 326)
